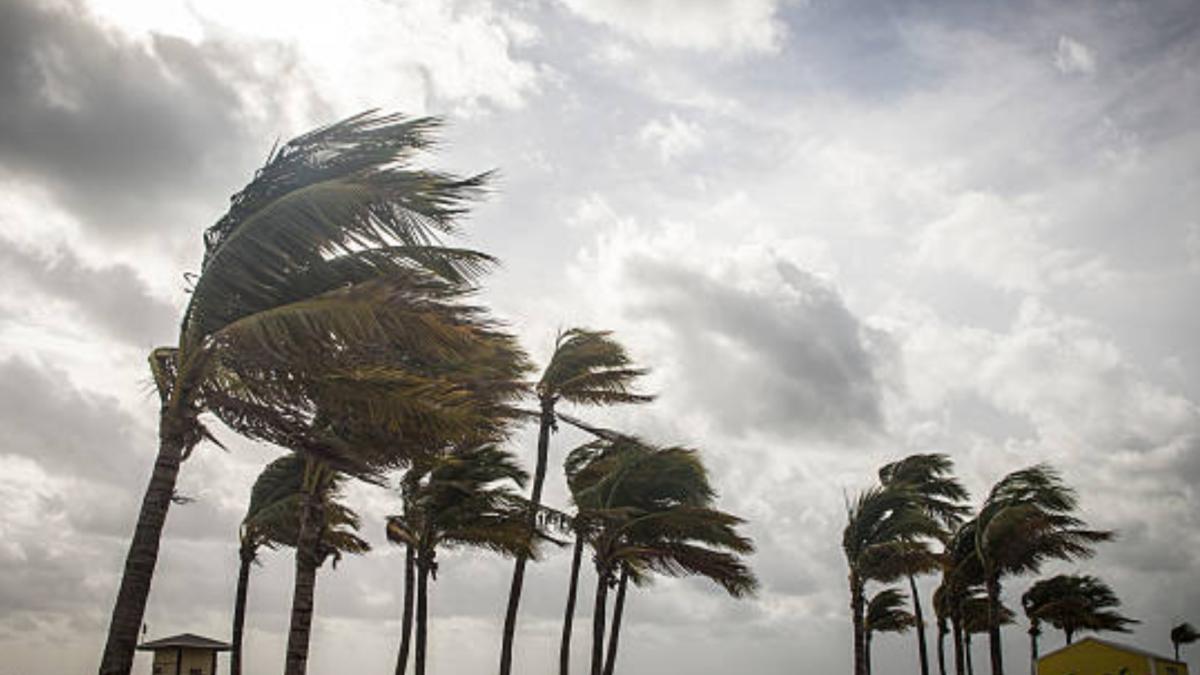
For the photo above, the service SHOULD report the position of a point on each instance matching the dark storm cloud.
(803, 363)
(121, 132)
(65, 431)
(111, 298)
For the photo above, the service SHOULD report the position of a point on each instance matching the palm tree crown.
(1073, 603)
(1183, 634)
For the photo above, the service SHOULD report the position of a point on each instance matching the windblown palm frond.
(882, 516)
(930, 477)
(277, 499)
(337, 190)
(1183, 634)
(1073, 603)
(886, 614)
(589, 367)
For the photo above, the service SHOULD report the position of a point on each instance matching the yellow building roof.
(1115, 645)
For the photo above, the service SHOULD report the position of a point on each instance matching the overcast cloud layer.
(838, 233)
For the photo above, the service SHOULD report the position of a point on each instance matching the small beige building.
(185, 654)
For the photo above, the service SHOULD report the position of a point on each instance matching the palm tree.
(461, 498)
(885, 613)
(335, 207)
(587, 368)
(273, 519)
(976, 612)
(881, 541)
(644, 510)
(1028, 519)
(961, 578)
(1072, 603)
(941, 495)
(649, 523)
(1183, 634)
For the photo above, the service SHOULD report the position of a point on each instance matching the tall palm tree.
(335, 207)
(587, 368)
(942, 496)
(1028, 519)
(884, 526)
(1072, 603)
(1183, 634)
(464, 498)
(273, 519)
(885, 613)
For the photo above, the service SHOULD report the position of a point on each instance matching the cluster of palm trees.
(918, 521)
(330, 318)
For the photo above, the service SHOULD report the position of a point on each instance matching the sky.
(838, 232)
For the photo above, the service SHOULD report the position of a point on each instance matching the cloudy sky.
(838, 232)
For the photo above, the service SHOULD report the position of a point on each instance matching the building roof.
(185, 641)
(1114, 645)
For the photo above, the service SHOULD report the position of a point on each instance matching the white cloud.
(1001, 243)
(672, 137)
(719, 25)
(458, 51)
(1073, 57)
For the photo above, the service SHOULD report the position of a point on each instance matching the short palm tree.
(883, 537)
(961, 578)
(587, 368)
(942, 496)
(885, 614)
(977, 617)
(1183, 634)
(273, 519)
(1028, 519)
(1072, 603)
(649, 516)
(463, 498)
(331, 209)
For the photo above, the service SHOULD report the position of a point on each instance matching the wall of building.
(1092, 658)
(194, 662)
(1167, 667)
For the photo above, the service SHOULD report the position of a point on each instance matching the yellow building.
(1093, 656)
(185, 654)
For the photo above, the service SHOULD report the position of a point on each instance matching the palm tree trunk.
(856, 617)
(967, 653)
(956, 623)
(1033, 648)
(993, 592)
(1176, 645)
(614, 634)
(239, 611)
(518, 576)
(1070, 635)
(941, 646)
(130, 606)
(422, 612)
(406, 619)
(598, 612)
(922, 650)
(564, 650)
(304, 588)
